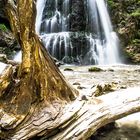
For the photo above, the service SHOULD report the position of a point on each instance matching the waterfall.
(78, 32)
(107, 49)
(39, 6)
(69, 41)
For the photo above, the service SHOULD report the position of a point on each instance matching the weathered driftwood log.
(36, 100)
(78, 119)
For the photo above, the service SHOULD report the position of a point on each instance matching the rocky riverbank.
(121, 77)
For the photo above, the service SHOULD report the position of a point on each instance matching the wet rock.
(3, 58)
(84, 98)
(93, 86)
(81, 87)
(95, 69)
(105, 88)
(71, 18)
(8, 44)
(111, 70)
(76, 83)
(57, 62)
(78, 16)
(68, 69)
(123, 86)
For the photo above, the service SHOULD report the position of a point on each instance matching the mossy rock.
(95, 69)
(103, 89)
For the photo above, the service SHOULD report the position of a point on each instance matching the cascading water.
(54, 25)
(105, 47)
(77, 31)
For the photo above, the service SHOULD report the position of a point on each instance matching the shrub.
(136, 13)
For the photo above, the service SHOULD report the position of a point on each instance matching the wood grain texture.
(37, 101)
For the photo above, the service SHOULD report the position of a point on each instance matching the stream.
(124, 76)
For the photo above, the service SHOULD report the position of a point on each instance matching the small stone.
(59, 64)
(123, 87)
(137, 70)
(80, 87)
(76, 83)
(93, 86)
(84, 98)
(95, 69)
(68, 69)
(111, 70)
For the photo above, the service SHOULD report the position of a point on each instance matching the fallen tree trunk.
(37, 101)
(79, 119)
(97, 112)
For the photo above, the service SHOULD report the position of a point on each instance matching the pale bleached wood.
(80, 119)
(95, 114)
(40, 102)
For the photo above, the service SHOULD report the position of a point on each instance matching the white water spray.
(39, 7)
(107, 47)
(56, 36)
(18, 57)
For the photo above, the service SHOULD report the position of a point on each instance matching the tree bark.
(36, 83)
(35, 98)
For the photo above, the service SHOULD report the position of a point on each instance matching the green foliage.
(136, 41)
(3, 27)
(136, 13)
(111, 3)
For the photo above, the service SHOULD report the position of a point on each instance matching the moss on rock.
(95, 69)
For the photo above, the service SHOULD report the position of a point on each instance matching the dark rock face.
(2, 14)
(71, 17)
(3, 17)
(78, 16)
(8, 44)
(75, 14)
(74, 43)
